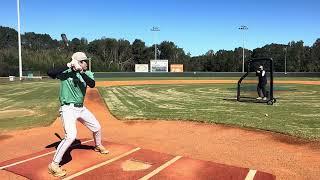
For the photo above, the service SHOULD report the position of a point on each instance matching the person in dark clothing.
(261, 87)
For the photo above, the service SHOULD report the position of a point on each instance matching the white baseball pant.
(69, 116)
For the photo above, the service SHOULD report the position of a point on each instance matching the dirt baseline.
(283, 156)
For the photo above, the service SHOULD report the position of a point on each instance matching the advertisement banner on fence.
(158, 65)
(176, 67)
(141, 68)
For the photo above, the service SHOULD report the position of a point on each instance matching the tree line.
(40, 52)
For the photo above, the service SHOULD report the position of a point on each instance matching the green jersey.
(73, 87)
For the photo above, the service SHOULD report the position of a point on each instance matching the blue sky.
(194, 25)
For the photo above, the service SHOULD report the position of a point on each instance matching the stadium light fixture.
(243, 28)
(155, 29)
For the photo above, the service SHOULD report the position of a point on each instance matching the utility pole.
(285, 60)
(19, 40)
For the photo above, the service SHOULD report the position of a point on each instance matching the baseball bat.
(58, 136)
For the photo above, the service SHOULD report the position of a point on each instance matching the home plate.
(134, 165)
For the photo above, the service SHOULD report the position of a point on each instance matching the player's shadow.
(67, 155)
(245, 100)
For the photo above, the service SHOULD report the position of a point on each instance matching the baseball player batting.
(74, 79)
(261, 87)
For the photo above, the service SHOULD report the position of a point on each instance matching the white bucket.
(11, 78)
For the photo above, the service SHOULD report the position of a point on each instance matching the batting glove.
(75, 65)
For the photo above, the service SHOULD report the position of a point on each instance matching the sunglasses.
(84, 61)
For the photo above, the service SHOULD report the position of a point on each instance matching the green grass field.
(296, 112)
(28, 104)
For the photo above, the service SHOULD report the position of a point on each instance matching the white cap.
(260, 67)
(79, 56)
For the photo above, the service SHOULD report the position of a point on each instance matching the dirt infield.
(285, 157)
(126, 162)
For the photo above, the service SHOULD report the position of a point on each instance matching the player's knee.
(71, 136)
(98, 128)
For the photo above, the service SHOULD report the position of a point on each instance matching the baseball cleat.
(101, 149)
(56, 171)
(259, 98)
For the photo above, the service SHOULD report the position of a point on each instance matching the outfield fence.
(168, 74)
(197, 74)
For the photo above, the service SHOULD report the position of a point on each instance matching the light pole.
(242, 27)
(19, 40)
(155, 29)
(285, 60)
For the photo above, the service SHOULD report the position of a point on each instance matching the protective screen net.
(248, 86)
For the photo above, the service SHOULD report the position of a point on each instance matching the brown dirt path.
(79, 157)
(283, 156)
(126, 162)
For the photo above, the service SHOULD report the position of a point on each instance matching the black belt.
(75, 104)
